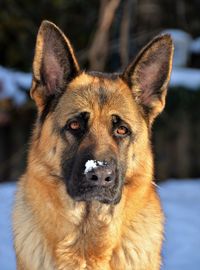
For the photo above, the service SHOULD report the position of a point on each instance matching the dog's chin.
(99, 198)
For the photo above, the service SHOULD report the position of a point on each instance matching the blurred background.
(106, 35)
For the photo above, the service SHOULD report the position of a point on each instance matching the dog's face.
(93, 130)
(97, 121)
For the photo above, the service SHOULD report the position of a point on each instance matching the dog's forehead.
(90, 92)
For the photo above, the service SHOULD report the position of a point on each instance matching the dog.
(87, 199)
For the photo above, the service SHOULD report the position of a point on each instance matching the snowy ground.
(181, 202)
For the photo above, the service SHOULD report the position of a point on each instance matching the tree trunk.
(99, 49)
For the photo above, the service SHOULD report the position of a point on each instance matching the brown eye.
(75, 125)
(121, 131)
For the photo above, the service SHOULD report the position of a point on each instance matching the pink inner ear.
(53, 73)
(151, 76)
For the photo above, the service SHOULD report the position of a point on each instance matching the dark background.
(104, 43)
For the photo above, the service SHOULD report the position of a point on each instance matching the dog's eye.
(121, 131)
(74, 125)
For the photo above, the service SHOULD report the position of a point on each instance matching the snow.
(181, 203)
(182, 43)
(10, 83)
(195, 46)
(186, 77)
(7, 258)
(92, 164)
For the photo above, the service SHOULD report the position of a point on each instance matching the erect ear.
(54, 63)
(148, 76)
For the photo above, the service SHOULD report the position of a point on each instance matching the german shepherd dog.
(87, 200)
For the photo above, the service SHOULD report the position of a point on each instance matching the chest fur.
(137, 248)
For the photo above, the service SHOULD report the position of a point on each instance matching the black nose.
(101, 176)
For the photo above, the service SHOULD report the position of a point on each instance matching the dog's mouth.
(87, 193)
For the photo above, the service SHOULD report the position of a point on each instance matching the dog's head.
(93, 128)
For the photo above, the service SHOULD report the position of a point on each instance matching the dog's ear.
(54, 63)
(148, 76)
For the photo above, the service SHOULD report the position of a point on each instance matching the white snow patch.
(11, 82)
(181, 204)
(182, 42)
(186, 77)
(92, 164)
(195, 46)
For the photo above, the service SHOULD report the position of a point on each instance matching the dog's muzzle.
(95, 180)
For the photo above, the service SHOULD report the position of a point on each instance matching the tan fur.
(54, 232)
